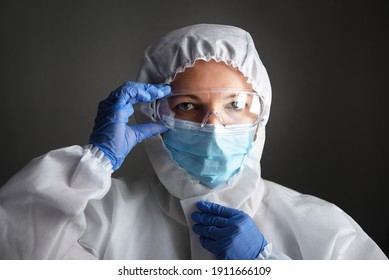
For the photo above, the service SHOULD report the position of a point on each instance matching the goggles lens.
(217, 107)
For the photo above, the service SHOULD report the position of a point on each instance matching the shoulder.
(281, 194)
(304, 208)
(314, 228)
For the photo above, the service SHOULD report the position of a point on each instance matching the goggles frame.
(169, 122)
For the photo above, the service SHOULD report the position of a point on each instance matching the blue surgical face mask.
(213, 154)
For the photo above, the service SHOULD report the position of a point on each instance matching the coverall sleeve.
(42, 206)
(269, 254)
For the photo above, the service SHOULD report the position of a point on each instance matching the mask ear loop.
(206, 118)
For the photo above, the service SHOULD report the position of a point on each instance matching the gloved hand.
(228, 233)
(111, 134)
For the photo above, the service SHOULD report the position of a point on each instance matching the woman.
(202, 102)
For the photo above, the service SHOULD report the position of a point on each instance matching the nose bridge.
(212, 117)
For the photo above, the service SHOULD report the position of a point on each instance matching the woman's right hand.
(111, 133)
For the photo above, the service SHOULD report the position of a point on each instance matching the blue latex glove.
(111, 134)
(228, 233)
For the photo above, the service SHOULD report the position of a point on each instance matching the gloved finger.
(211, 232)
(209, 219)
(146, 130)
(157, 91)
(139, 92)
(216, 209)
(215, 247)
(207, 243)
(117, 112)
(149, 87)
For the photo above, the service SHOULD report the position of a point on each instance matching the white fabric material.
(65, 205)
(174, 53)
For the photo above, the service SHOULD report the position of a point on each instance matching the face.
(212, 107)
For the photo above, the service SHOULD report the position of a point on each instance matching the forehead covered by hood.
(181, 48)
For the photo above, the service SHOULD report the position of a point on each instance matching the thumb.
(147, 130)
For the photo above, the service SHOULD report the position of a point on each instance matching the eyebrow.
(192, 96)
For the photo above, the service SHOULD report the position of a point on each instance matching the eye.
(236, 105)
(185, 106)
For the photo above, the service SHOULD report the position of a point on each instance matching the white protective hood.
(66, 205)
(175, 52)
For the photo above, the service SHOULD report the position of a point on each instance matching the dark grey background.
(327, 61)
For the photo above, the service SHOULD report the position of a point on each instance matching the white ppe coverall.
(66, 205)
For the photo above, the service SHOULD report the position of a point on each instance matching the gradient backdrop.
(327, 60)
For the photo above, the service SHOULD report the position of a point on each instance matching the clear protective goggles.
(228, 108)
